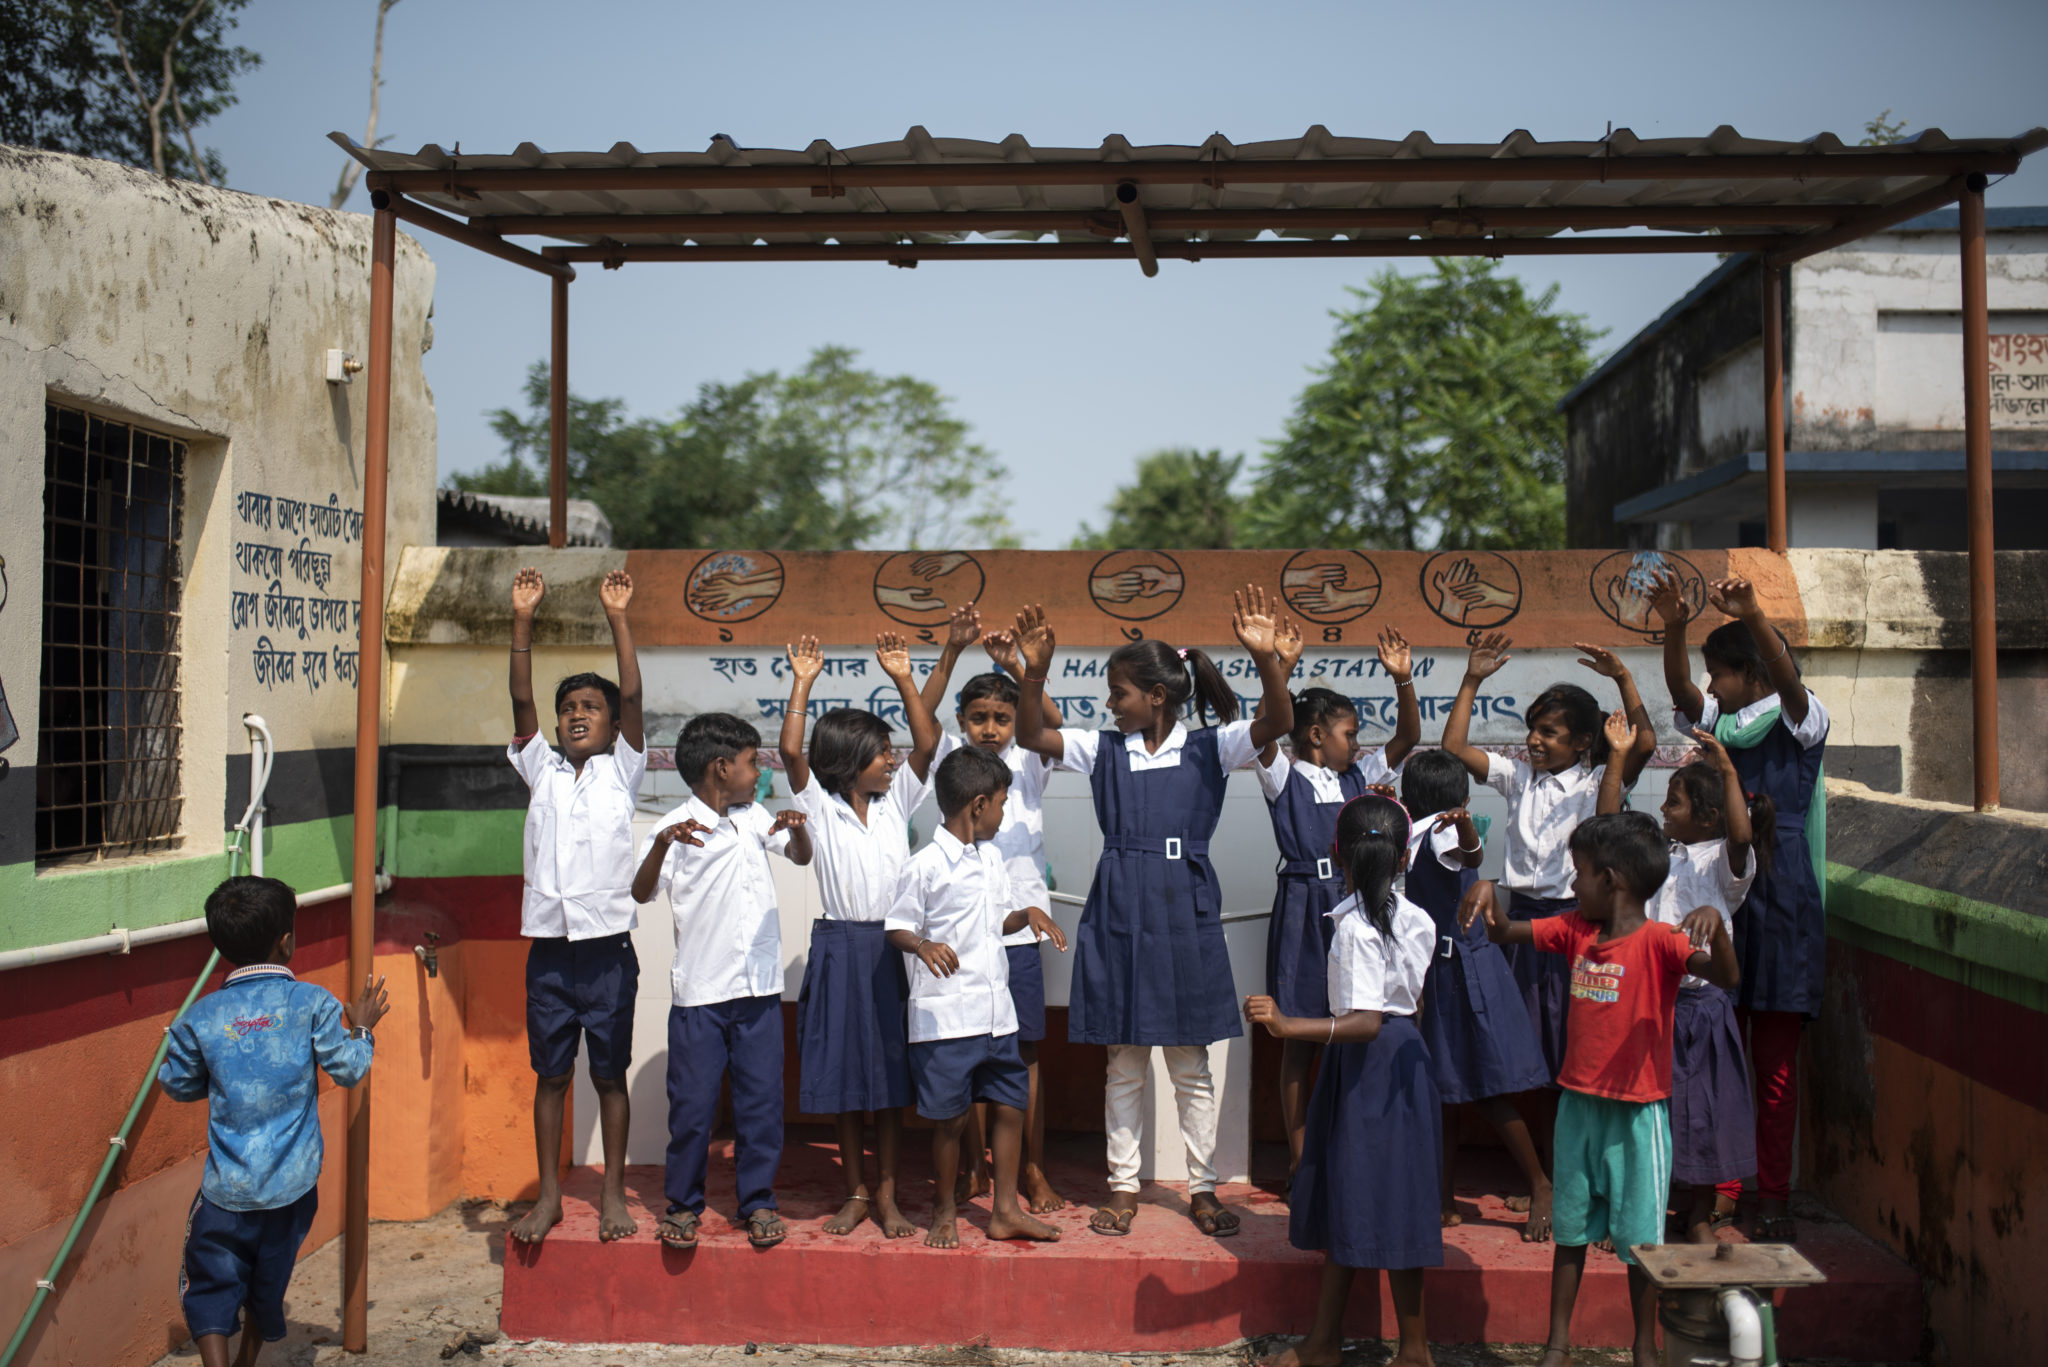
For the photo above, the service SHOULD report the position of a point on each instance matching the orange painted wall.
(497, 1150)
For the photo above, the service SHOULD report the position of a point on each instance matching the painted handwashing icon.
(733, 586)
(1472, 589)
(1136, 585)
(1329, 587)
(1624, 586)
(921, 588)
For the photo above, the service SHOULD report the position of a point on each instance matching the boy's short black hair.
(966, 774)
(247, 916)
(596, 681)
(843, 743)
(711, 736)
(995, 684)
(1434, 781)
(1630, 845)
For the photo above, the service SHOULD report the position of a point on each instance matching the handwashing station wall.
(179, 545)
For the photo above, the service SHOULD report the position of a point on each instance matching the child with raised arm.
(1548, 793)
(1150, 964)
(578, 910)
(954, 906)
(710, 856)
(987, 714)
(1306, 785)
(1481, 1049)
(1775, 731)
(850, 1013)
(255, 1049)
(1365, 1193)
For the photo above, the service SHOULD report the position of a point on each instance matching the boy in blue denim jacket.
(252, 1049)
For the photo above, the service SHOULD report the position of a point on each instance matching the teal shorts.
(1613, 1173)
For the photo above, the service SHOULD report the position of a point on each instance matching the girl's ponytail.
(1189, 678)
(1213, 692)
(1763, 828)
(1372, 837)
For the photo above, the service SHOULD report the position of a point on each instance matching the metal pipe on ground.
(1977, 497)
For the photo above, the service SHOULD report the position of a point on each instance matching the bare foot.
(1419, 1358)
(1648, 1357)
(1517, 1204)
(535, 1224)
(1449, 1217)
(1039, 1197)
(1306, 1354)
(1604, 1245)
(972, 1184)
(1556, 1357)
(850, 1215)
(945, 1231)
(894, 1226)
(1020, 1226)
(1537, 1230)
(614, 1221)
(1701, 1232)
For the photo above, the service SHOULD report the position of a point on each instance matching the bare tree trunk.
(191, 144)
(351, 169)
(154, 109)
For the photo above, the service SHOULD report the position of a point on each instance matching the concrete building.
(1665, 444)
(466, 519)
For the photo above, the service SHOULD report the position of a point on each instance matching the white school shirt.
(1326, 784)
(1702, 876)
(1374, 972)
(1443, 844)
(1022, 836)
(958, 895)
(859, 864)
(1543, 811)
(1234, 749)
(579, 840)
(1808, 733)
(722, 897)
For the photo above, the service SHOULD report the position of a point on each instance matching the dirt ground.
(435, 1285)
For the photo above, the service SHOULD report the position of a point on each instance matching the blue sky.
(1068, 373)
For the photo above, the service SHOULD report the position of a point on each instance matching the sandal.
(1775, 1229)
(765, 1228)
(678, 1229)
(1119, 1221)
(1219, 1223)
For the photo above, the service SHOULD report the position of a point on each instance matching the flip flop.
(1775, 1229)
(1120, 1221)
(765, 1228)
(678, 1229)
(1212, 1222)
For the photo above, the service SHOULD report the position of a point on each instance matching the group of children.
(923, 983)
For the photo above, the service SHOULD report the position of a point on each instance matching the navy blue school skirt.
(1476, 1026)
(1298, 935)
(1545, 980)
(1027, 991)
(1713, 1129)
(852, 1022)
(1372, 1157)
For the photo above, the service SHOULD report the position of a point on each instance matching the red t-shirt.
(1618, 1033)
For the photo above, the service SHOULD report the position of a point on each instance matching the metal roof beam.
(1868, 222)
(420, 216)
(1873, 164)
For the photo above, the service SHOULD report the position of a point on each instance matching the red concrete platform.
(1162, 1288)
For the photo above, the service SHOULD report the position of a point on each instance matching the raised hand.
(1002, 649)
(1254, 620)
(1487, 655)
(806, 660)
(1600, 660)
(1448, 818)
(1034, 641)
(1711, 751)
(616, 591)
(1736, 597)
(1395, 657)
(370, 1004)
(963, 628)
(1667, 597)
(527, 591)
(791, 820)
(892, 653)
(1620, 732)
(1287, 643)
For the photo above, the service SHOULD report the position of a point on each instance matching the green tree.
(826, 459)
(1434, 423)
(1181, 500)
(126, 81)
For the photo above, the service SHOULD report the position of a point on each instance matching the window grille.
(108, 731)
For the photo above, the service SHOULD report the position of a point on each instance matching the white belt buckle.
(1449, 945)
(1173, 847)
(1324, 869)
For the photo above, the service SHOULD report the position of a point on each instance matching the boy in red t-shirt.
(1612, 1166)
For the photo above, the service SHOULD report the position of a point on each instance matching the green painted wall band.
(1991, 948)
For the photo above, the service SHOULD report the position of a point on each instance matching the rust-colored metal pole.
(1135, 229)
(355, 1227)
(558, 421)
(1977, 481)
(1775, 535)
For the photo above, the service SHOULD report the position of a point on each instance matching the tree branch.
(153, 110)
(198, 164)
(351, 169)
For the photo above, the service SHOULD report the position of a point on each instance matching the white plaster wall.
(203, 314)
(1730, 402)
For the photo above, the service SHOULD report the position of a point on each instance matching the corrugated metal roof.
(1620, 172)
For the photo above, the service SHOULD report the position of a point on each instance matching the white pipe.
(1745, 1327)
(122, 941)
(262, 752)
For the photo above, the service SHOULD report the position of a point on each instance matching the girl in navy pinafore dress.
(1548, 794)
(851, 1016)
(1150, 964)
(1305, 789)
(1482, 1049)
(1366, 1190)
(1775, 731)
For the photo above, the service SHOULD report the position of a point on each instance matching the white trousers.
(1123, 1111)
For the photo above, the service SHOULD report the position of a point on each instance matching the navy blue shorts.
(1027, 991)
(953, 1074)
(237, 1258)
(577, 989)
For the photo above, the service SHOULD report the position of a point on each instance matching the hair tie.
(1181, 651)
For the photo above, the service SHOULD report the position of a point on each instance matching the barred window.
(108, 731)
